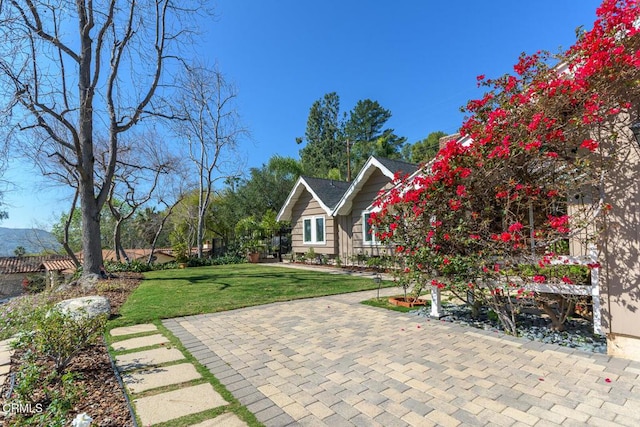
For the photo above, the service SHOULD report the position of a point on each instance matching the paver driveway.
(332, 361)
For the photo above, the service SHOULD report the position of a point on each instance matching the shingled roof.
(387, 167)
(327, 192)
(395, 166)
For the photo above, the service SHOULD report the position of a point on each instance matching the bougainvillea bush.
(527, 174)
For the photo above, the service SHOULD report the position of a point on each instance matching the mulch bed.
(103, 398)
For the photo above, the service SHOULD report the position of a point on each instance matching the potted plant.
(181, 254)
(250, 233)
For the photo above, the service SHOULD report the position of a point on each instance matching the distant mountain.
(33, 240)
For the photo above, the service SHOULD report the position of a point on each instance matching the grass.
(174, 293)
(384, 303)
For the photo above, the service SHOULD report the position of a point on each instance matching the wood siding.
(307, 206)
(365, 197)
(620, 289)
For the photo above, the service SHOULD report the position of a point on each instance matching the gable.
(325, 192)
(373, 166)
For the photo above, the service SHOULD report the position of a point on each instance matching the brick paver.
(332, 360)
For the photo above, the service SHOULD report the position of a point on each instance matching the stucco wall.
(11, 285)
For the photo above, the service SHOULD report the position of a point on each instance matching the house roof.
(465, 141)
(59, 265)
(327, 192)
(388, 167)
(31, 264)
(135, 253)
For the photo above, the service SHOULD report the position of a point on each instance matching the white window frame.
(374, 240)
(314, 230)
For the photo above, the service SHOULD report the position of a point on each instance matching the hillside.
(33, 240)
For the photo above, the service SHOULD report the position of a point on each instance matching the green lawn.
(173, 293)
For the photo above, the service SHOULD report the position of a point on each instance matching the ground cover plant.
(61, 366)
(183, 292)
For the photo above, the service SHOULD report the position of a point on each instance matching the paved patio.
(333, 361)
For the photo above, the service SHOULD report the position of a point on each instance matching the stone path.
(163, 385)
(5, 366)
(332, 361)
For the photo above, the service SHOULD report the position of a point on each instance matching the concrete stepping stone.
(168, 406)
(5, 357)
(227, 419)
(146, 358)
(138, 382)
(136, 329)
(132, 343)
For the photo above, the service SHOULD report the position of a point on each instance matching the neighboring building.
(14, 270)
(160, 256)
(331, 216)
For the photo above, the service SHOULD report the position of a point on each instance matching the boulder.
(90, 306)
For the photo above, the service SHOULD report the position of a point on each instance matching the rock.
(91, 306)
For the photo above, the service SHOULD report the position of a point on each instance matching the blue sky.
(417, 58)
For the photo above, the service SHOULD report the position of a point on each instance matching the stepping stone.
(159, 377)
(5, 357)
(168, 406)
(4, 370)
(132, 343)
(136, 329)
(143, 359)
(225, 420)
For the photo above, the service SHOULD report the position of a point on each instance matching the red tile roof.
(33, 264)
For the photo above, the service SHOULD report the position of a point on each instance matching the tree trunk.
(117, 241)
(91, 247)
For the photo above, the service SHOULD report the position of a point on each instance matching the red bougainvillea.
(504, 192)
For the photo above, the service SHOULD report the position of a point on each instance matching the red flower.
(446, 261)
(566, 280)
(515, 227)
(539, 279)
(505, 237)
(461, 190)
(589, 144)
(455, 204)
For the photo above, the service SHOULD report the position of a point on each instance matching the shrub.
(34, 283)
(18, 315)
(135, 266)
(59, 336)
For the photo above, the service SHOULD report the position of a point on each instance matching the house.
(14, 270)
(309, 207)
(619, 247)
(160, 256)
(331, 216)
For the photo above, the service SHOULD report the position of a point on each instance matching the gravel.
(578, 332)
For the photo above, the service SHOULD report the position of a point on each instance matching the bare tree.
(75, 69)
(212, 130)
(142, 162)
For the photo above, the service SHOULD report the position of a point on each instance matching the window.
(313, 230)
(368, 231)
(320, 230)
